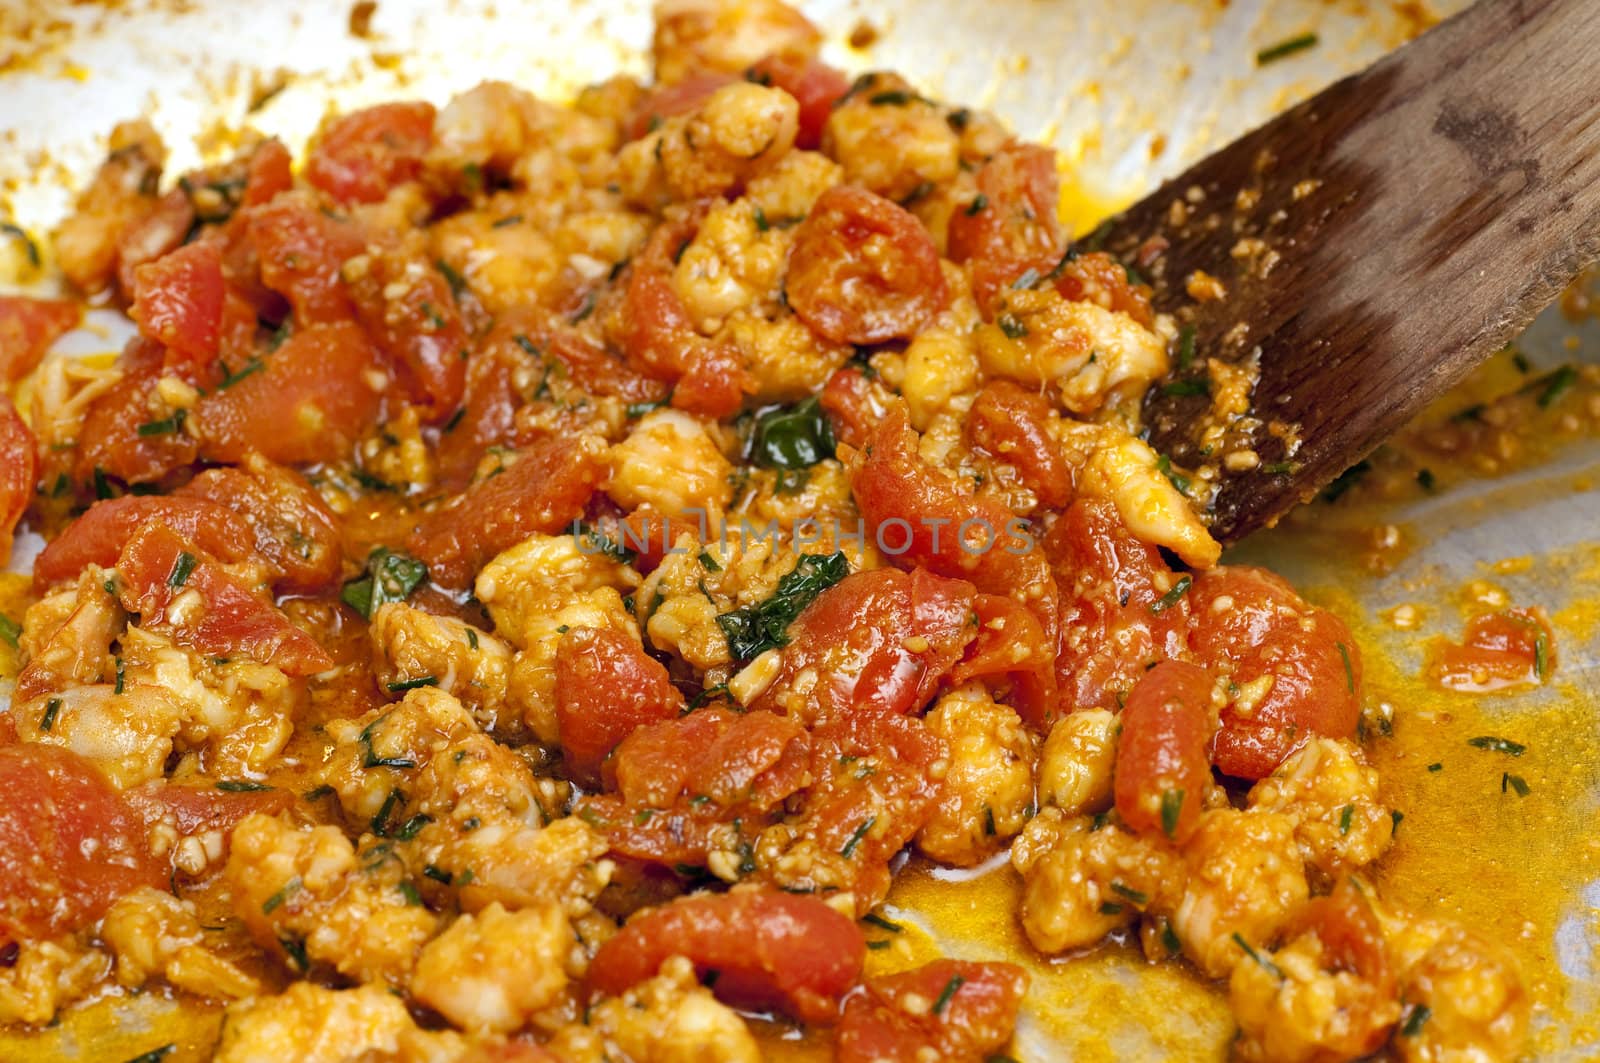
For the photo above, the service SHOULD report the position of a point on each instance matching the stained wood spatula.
(1375, 242)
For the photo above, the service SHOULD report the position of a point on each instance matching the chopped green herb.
(1171, 809)
(412, 684)
(1180, 388)
(1516, 782)
(1416, 1020)
(1178, 480)
(231, 377)
(472, 637)
(892, 98)
(52, 708)
(1110, 908)
(409, 892)
(438, 874)
(10, 630)
(1541, 656)
(639, 409)
(881, 923)
(1265, 964)
(958, 119)
(30, 249)
(506, 222)
(988, 821)
(1279, 468)
(708, 562)
(316, 793)
(598, 542)
(1436, 766)
(762, 224)
(1170, 599)
(753, 629)
(1136, 896)
(155, 1055)
(380, 822)
(1169, 938)
(296, 950)
(1346, 480)
(880, 944)
(1012, 326)
(457, 282)
(1349, 669)
(1520, 360)
(792, 437)
(182, 569)
(241, 786)
(274, 902)
(1394, 818)
(1557, 384)
(855, 839)
(976, 207)
(1185, 354)
(1345, 815)
(950, 989)
(391, 577)
(1470, 413)
(1498, 745)
(1425, 477)
(165, 427)
(1286, 48)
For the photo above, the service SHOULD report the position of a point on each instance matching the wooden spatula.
(1374, 243)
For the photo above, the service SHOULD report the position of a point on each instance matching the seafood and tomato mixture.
(538, 570)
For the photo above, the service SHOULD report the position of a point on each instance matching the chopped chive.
(508, 220)
(316, 793)
(979, 202)
(891, 98)
(1110, 908)
(1286, 48)
(1178, 480)
(409, 892)
(988, 821)
(708, 562)
(881, 923)
(950, 989)
(855, 839)
(472, 638)
(274, 902)
(1394, 818)
(1170, 599)
(155, 1055)
(165, 427)
(1136, 896)
(1498, 745)
(241, 786)
(1265, 964)
(380, 822)
(1012, 326)
(1171, 809)
(880, 944)
(1181, 388)
(31, 249)
(413, 684)
(1169, 938)
(182, 569)
(1436, 766)
(1346, 480)
(122, 678)
(10, 630)
(438, 874)
(296, 949)
(1557, 384)
(1185, 346)
(1415, 1021)
(1349, 669)
(1541, 656)
(1516, 782)
(1426, 478)
(1345, 815)
(230, 377)
(51, 709)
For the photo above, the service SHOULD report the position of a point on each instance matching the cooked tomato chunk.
(1500, 649)
(292, 529)
(27, 329)
(121, 437)
(19, 460)
(878, 641)
(217, 615)
(301, 250)
(1122, 606)
(98, 536)
(1012, 646)
(672, 782)
(768, 949)
(1162, 773)
(359, 156)
(309, 402)
(407, 308)
(69, 843)
(178, 302)
(1010, 226)
(863, 269)
(1252, 627)
(544, 490)
(1011, 425)
(606, 687)
(950, 1010)
(816, 86)
(920, 517)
